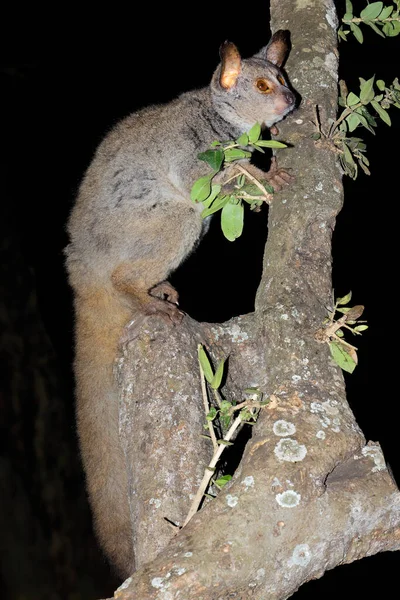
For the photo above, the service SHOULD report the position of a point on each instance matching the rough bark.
(309, 493)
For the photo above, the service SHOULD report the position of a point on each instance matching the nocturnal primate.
(134, 223)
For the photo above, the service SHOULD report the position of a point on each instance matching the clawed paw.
(165, 291)
(278, 177)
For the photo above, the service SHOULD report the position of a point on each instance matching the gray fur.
(132, 224)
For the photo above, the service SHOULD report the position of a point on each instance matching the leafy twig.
(343, 353)
(217, 197)
(209, 471)
(384, 20)
(356, 113)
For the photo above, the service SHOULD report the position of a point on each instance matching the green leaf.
(201, 188)
(371, 11)
(361, 328)
(375, 28)
(216, 380)
(224, 443)
(396, 27)
(254, 133)
(352, 99)
(344, 299)
(367, 89)
(215, 190)
(363, 110)
(357, 32)
(341, 357)
(270, 144)
(214, 158)
(342, 34)
(364, 121)
(205, 364)
(388, 29)
(221, 481)
(241, 180)
(252, 189)
(252, 390)
(347, 16)
(235, 154)
(381, 112)
(215, 143)
(348, 157)
(386, 12)
(353, 121)
(243, 140)
(225, 406)
(232, 220)
(212, 413)
(218, 203)
(348, 165)
(255, 147)
(364, 168)
(380, 85)
(349, 7)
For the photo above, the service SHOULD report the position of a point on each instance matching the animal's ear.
(231, 65)
(278, 48)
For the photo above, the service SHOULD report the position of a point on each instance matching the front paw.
(278, 177)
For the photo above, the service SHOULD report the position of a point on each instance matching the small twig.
(234, 145)
(217, 397)
(244, 196)
(209, 471)
(245, 404)
(255, 181)
(230, 178)
(342, 341)
(207, 409)
(376, 20)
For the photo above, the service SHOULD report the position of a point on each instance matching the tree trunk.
(309, 493)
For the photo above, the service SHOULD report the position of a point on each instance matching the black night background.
(66, 79)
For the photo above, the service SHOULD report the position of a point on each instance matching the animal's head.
(253, 90)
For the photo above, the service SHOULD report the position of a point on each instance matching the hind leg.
(159, 299)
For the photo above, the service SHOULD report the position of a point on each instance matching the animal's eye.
(281, 80)
(263, 86)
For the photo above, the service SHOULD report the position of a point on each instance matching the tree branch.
(309, 494)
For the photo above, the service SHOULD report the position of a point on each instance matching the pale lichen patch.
(159, 583)
(375, 453)
(301, 555)
(283, 428)
(304, 4)
(331, 65)
(248, 482)
(331, 17)
(290, 450)
(155, 502)
(288, 499)
(237, 335)
(231, 500)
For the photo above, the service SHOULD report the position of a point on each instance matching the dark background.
(67, 78)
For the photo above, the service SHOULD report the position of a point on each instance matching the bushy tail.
(100, 318)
